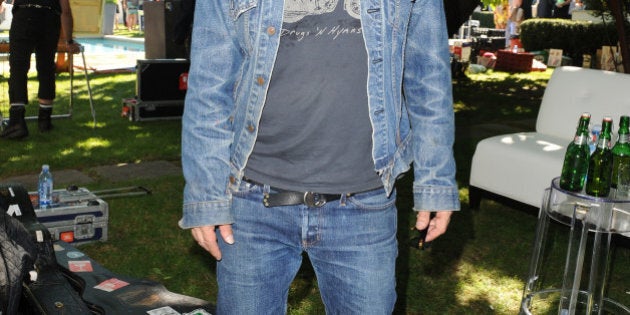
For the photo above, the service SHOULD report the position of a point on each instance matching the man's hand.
(206, 237)
(437, 225)
(73, 47)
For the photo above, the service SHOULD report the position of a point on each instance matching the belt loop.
(266, 189)
(342, 200)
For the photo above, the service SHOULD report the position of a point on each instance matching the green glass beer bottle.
(621, 150)
(600, 164)
(576, 158)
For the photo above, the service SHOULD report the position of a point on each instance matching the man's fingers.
(206, 237)
(422, 220)
(435, 226)
(226, 233)
(438, 225)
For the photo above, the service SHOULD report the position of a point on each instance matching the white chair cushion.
(519, 166)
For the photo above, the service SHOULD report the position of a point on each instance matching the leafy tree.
(493, 3)
(600, 7)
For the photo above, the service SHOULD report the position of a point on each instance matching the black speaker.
(161, 79)
(159, 29)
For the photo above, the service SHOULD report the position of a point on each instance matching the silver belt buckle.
(314, 200)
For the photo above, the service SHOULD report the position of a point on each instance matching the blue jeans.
(351, 243)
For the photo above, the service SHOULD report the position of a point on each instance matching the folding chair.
(65, 63)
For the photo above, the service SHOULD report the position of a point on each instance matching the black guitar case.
(111, 293)
(42, 276)
(31, 282)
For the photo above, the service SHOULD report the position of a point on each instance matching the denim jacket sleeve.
(207, 132)
(427, 88)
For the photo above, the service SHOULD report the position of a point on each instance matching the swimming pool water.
(107, 45)
(94, 45)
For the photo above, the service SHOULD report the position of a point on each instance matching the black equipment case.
(161, 86)
(77, 216)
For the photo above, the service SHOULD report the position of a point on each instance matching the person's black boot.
(44, 122)
(16, 129)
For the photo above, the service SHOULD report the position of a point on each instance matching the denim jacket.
(234, 47)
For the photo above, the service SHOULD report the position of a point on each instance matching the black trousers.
(33, 30)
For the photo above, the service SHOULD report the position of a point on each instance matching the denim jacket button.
(260, 80)
(271, 30)
(251, 128)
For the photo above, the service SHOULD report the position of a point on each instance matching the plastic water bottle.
(594, 135)
(45, 187)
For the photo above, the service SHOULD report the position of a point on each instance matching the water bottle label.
(45, 194)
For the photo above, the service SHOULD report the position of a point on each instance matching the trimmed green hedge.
(485, 18)
(575, 38)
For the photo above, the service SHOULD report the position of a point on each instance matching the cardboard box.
(461, 50)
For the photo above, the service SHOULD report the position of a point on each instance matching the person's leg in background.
(45, 63)
(22, 46)
(132, 17)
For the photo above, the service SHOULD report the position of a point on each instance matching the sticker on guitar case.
(80, 266)
(111, 285)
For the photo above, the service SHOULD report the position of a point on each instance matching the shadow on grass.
(76, 144)
(424, 277)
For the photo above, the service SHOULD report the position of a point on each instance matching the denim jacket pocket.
(238, 7)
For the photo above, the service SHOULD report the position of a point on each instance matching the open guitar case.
(41, 276)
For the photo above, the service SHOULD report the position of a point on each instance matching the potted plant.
(109, 15)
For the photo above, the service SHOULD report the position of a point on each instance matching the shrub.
(575, 38)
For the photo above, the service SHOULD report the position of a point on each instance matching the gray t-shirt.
(315, 133)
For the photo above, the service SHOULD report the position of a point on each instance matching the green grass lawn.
(478, 267)
(122, 31)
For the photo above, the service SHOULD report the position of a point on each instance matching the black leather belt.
(33, 6)
(292, 198)
(280, 197)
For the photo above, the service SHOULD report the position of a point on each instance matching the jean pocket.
(376, 199)
(245, 189)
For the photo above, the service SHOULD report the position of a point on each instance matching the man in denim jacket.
(299, 117)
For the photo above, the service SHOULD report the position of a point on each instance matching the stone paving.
(110, 173)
